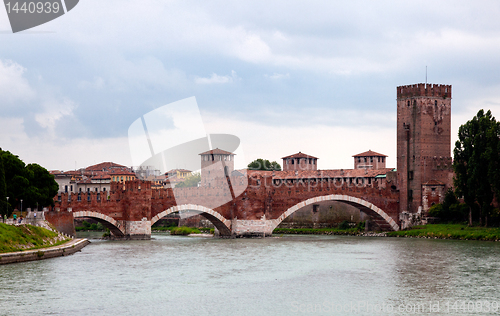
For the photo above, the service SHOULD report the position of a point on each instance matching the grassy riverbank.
(317, 231)
(27, 237)
(449, 231)
(182, 230)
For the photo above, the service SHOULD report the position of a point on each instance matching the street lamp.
(7, 206)
(21, 207)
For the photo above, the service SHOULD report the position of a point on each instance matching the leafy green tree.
(264, 164)
(451, 210)
(191, 181)
(43, 187)
(32, 183)
(4, 209)
(476, 164)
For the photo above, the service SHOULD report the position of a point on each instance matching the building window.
(104, 189)
(71, 188)
(410, 175)
(66, 189)
(79, 197)
(371, 159)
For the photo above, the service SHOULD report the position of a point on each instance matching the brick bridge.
(251, 204)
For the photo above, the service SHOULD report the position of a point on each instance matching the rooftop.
(105, 166)
(217, 151)
(299, 155)
(370, 153)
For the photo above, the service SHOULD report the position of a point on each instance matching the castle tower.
(300, 161)
(216, 163)
(423, 145)
(369, 160)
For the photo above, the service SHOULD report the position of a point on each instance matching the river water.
(286, 275)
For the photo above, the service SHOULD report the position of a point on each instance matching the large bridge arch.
(364, 205)
(219, 221)
(113, 225)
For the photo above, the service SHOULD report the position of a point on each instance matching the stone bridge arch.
(221, 223)
(113, 225)
(364, 205)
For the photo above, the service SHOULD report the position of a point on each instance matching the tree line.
(31, 183)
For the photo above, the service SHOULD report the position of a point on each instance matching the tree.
(32, 183)
(191, 181)
(264, 164)
(451, 210)
(42, 187)
(476, 163)
(4, 209)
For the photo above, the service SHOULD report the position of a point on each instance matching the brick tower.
(423, 145)
(216, 163)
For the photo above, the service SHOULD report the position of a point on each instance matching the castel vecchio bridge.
(253, 203)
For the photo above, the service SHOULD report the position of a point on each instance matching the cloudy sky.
(284, 76)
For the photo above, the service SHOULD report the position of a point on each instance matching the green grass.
(163, 228)
(183, 230)
(450, 231)
(26, 237)
(317, 231)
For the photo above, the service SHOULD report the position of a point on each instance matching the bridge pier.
(136, 230)
(252, 228)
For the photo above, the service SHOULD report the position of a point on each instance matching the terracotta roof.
(217, 151)
(104, 165)
(101, 176)
(121, 173)
(299, 155)
(369, 153)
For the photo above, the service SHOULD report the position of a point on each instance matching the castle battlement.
(424, 90)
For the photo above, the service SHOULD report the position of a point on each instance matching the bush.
(344, 225)
(184, 231)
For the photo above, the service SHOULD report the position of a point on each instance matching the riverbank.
(435, 231)
(28, 237)
(450, 231)
(65, 249)
(318, 231)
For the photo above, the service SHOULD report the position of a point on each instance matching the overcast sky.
(284, 76)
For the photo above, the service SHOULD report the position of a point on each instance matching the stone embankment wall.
(66, 249)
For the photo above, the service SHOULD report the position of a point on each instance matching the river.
(286, 275)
